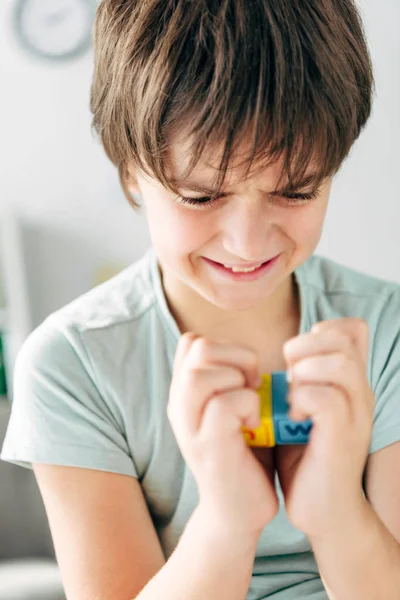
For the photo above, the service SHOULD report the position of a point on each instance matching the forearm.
(362, 562)
(207, 563)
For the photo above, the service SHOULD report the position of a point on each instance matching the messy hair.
(292, 76)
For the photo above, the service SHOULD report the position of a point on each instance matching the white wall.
(362, 227)
(57, 176)
(59, 179)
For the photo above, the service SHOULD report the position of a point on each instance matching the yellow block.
(264, 434)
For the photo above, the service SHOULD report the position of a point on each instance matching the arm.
(208, 563)
(364, 561)
(361, 562)
(105, 542)
(107, 547)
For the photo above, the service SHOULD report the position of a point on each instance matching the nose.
(247, 231)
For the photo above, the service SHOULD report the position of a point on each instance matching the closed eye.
(292, 199)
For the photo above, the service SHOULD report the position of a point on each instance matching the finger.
(205, 351)
(324, 405)
(311, 344)
(184, 344)
(196, 387)
(226, 413)
(335, 369)
(357, 330)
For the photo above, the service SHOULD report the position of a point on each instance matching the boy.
(229, 119)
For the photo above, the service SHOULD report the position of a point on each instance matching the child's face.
(249, 225)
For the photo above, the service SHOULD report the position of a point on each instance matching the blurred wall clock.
(55, 29)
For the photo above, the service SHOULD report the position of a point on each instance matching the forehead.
(205, 171)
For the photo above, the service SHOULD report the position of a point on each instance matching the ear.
(133, 186)
(131, 183)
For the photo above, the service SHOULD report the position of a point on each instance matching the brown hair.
(293, 75)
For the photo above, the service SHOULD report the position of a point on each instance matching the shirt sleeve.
(58, 414)
(386, 375)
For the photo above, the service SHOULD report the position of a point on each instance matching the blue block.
(291, 432)
(286, 430)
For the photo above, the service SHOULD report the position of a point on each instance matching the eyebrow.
(205, 189)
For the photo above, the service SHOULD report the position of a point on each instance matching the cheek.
(175, 227)
(305, 226)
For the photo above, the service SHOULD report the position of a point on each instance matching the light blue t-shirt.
(91, 388)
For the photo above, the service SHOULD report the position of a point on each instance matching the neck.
(192, 312)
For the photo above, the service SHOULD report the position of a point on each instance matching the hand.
(322, 481)
(212, 395)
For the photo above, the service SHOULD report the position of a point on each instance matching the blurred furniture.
(28, 568)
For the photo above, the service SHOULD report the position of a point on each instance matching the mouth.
(244, 269)
(243, 273)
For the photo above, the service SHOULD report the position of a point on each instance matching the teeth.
(241, 269)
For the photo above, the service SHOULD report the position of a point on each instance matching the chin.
(235, 304)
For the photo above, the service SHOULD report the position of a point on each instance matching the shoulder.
(95, 328)
(331, 290)
(124, 297)
(328, 277)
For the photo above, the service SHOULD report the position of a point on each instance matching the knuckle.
(252, 363)
(219, 411)
(187, 336)
(364, 329)
(253, 400)
(342, 362)
(194, 373)
(342, 339)
(361, 324)
(251, 358)
(202, 349)
(239, 378)
(334, 403)
(190, 335)
(216, 406)
(332, 396)
(186, 339)
(303, 394)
